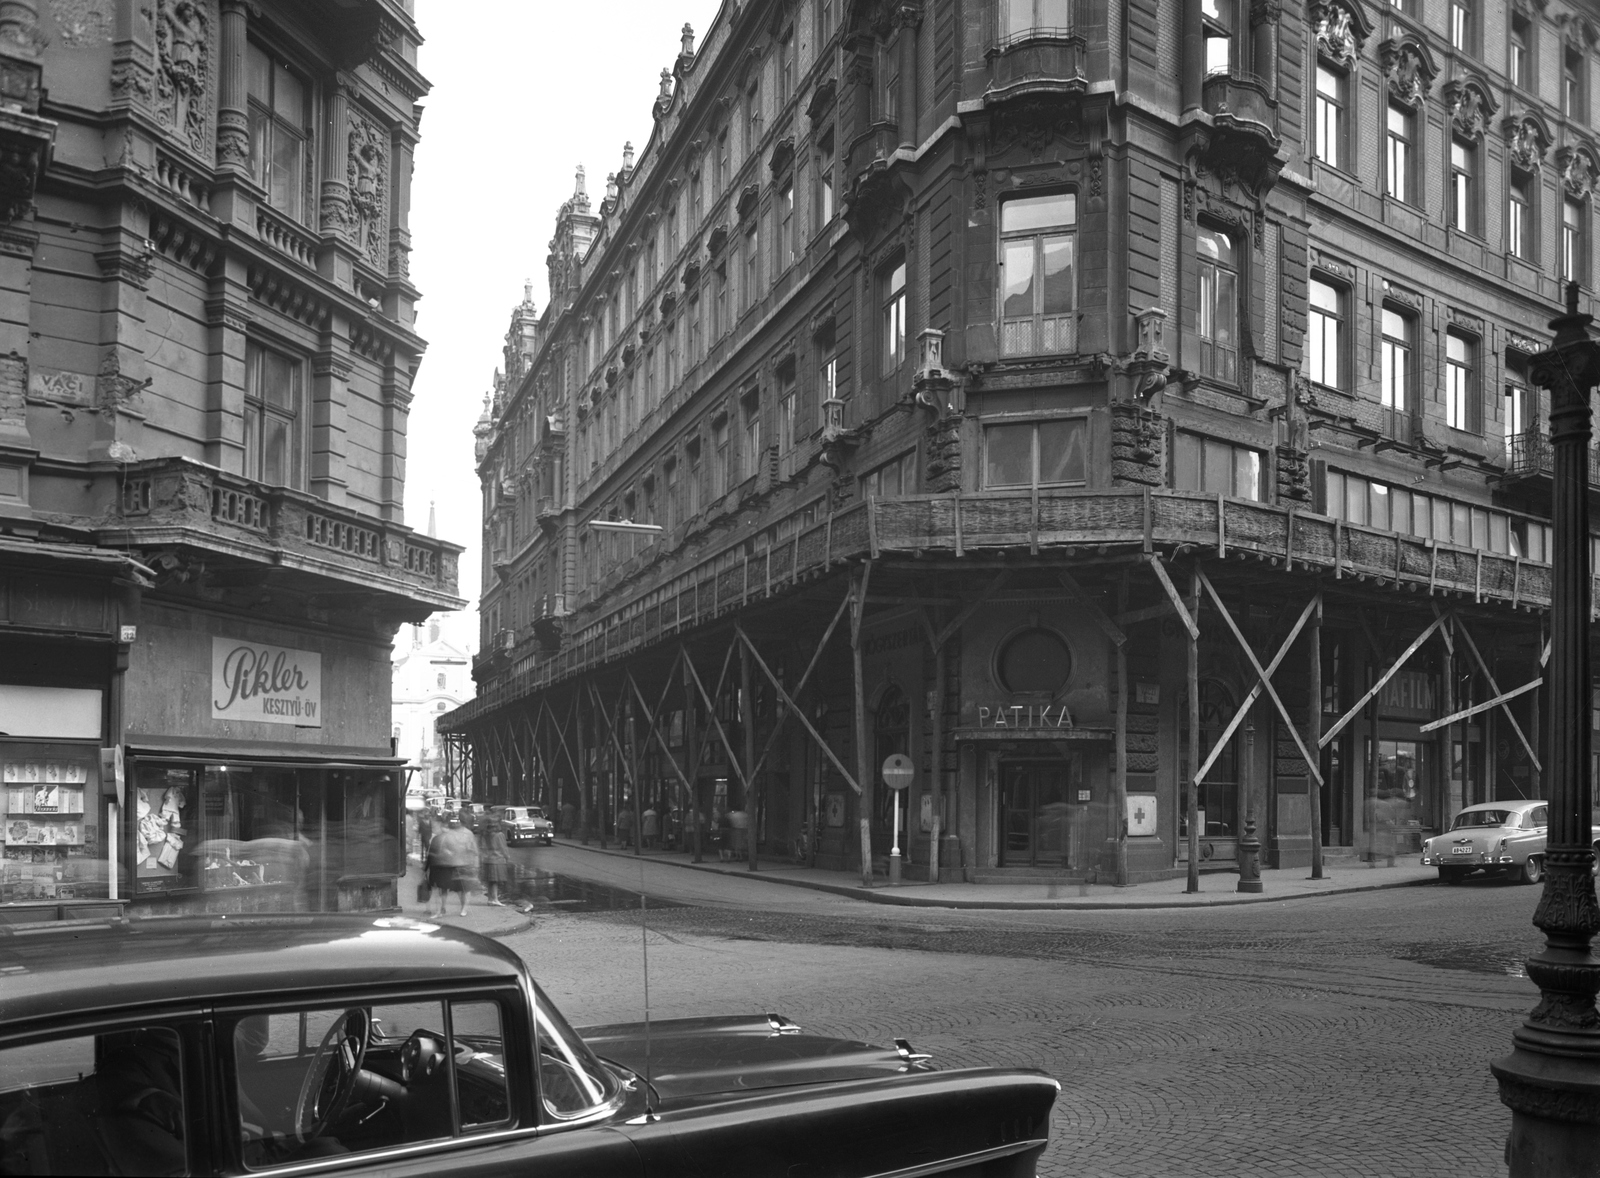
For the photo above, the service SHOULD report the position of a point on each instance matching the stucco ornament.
(1471, 108)
(1577, 171)
(369, 188)
(1409, 72)
(183, 69)
(1336, 39)
(1525, 143)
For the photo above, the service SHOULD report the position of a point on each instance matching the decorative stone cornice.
(782, 155)
(748, 198)
(822, 99)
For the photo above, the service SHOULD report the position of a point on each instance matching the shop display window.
(52, 822)
(290, 834)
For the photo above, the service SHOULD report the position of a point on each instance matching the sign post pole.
(897, 775)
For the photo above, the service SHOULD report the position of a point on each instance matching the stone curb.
(884, 895)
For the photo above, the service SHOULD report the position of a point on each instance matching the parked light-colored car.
(526, 824)
(1498, 838)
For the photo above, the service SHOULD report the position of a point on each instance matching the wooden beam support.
(1343, 721)
(1472, 648)
(1497, 701)
(1264, 677)
(789, 703)
(1160, 571)
(1075, 591)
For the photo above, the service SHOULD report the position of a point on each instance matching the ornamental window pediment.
(1578, 171)
(1409, 68)
(1471, 106)
(1342, 29)
(1528, 137)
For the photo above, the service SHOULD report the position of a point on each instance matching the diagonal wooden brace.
(1075, 591)
(1160, 571)
(655, 729)
(1505, 705)
(790, 704)
(623, 760)
(711, 711)
(1416, 645)
(1264, 684)
(777, 728)
(970, 608)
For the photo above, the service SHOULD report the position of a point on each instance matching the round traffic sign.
(897, 771)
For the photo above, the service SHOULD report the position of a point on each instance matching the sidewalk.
(480, 917)
(1217, 888)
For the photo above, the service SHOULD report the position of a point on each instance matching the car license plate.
(1461, 850)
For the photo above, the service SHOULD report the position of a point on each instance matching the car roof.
(84, 967)
(1517, 805)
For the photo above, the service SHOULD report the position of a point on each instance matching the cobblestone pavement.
(1345, 1035)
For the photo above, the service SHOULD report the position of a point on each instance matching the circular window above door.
(1034, 661)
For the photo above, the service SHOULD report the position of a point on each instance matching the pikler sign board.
(897, 771)
(267, 684)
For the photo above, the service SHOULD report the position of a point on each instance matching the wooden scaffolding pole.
(1192, 810)
(1119, 826)
(1314, 733)
(864, 776)
(691, 737)
(747, 726)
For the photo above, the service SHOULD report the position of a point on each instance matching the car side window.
(318, 1082)
(111, 1103)
(1539, 816)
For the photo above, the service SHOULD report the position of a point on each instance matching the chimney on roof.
(433, 530)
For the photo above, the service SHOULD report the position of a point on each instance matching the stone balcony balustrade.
(177, 502)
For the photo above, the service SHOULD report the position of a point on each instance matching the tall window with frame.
(695, 350)
(1216, 467)
(1326, 338)
(827, 385)
(671, 508)
(279, 131)
(1573, 90)
(1461, 382)
(1519, 410)
(273, 425)
(825, 20)
(787, 404)
(1048, 453)
(1217, 321)
(1400, 155)
(672, 229)
(1332, 102)
(1463, 184)
(1574, 242)
(694, 484)
(722, 169)
(1038, 274)
(1520, 232)
(824, 201)
(1217, 18)
(752, 120)
(892, 315)
(1398, 368)
(1023, 17)
(719, 302)
(696, 201)
(752, 267)
(888, 79)
(785, 215)
(1519, 61)
(1462, 27)
(721, 470)
(786, 65)
(750, 409)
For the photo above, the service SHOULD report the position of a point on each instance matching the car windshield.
(1470, 818)
(572, 1081)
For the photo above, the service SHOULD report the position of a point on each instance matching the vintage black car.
(300, 1044)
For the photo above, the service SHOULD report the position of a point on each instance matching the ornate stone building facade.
(207, 347)
(1086, 399)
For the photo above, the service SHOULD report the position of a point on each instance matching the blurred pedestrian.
(569, 820)
(495, 859)
(454, 855)
(625, 825)
(724, 836)
(651, 828)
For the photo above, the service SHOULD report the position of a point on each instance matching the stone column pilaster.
(334, 212)
(233, 93)
(330, 375)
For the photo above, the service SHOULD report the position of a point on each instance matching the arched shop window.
(1035, 660)
(1219, 791)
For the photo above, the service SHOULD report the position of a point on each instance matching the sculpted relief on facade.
(368, 177)
(184, 75)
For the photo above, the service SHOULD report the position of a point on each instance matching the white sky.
(523, 92)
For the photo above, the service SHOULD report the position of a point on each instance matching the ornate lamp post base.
(1551, 1079)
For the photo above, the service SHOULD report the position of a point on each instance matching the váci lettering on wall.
(266, 684)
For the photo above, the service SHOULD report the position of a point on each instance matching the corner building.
(207, 347)
(1009, 380)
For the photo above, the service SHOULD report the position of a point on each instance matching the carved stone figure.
(183, 71)
(1525, 143)
(1577, 171)
(1336, 40)
(1409, 72)
(1470, 108)
(368, 180)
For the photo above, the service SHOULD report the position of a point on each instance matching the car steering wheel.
(332, 1075)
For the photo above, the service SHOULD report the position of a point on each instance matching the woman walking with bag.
(496, 859)
(454, 859)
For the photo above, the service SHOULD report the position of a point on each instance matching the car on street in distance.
(525, 824)
(1498, 838)
(324, 1044)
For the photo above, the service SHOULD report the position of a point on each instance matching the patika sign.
(266, 684)
(1024, 716)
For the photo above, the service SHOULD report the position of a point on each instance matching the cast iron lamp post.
(1551, 1079)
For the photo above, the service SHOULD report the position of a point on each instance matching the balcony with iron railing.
(674, 596)
(1039, 60)
(1529, 456)
(176, 502)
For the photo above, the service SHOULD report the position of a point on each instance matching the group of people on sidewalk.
(727, 833)
(456, 860)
